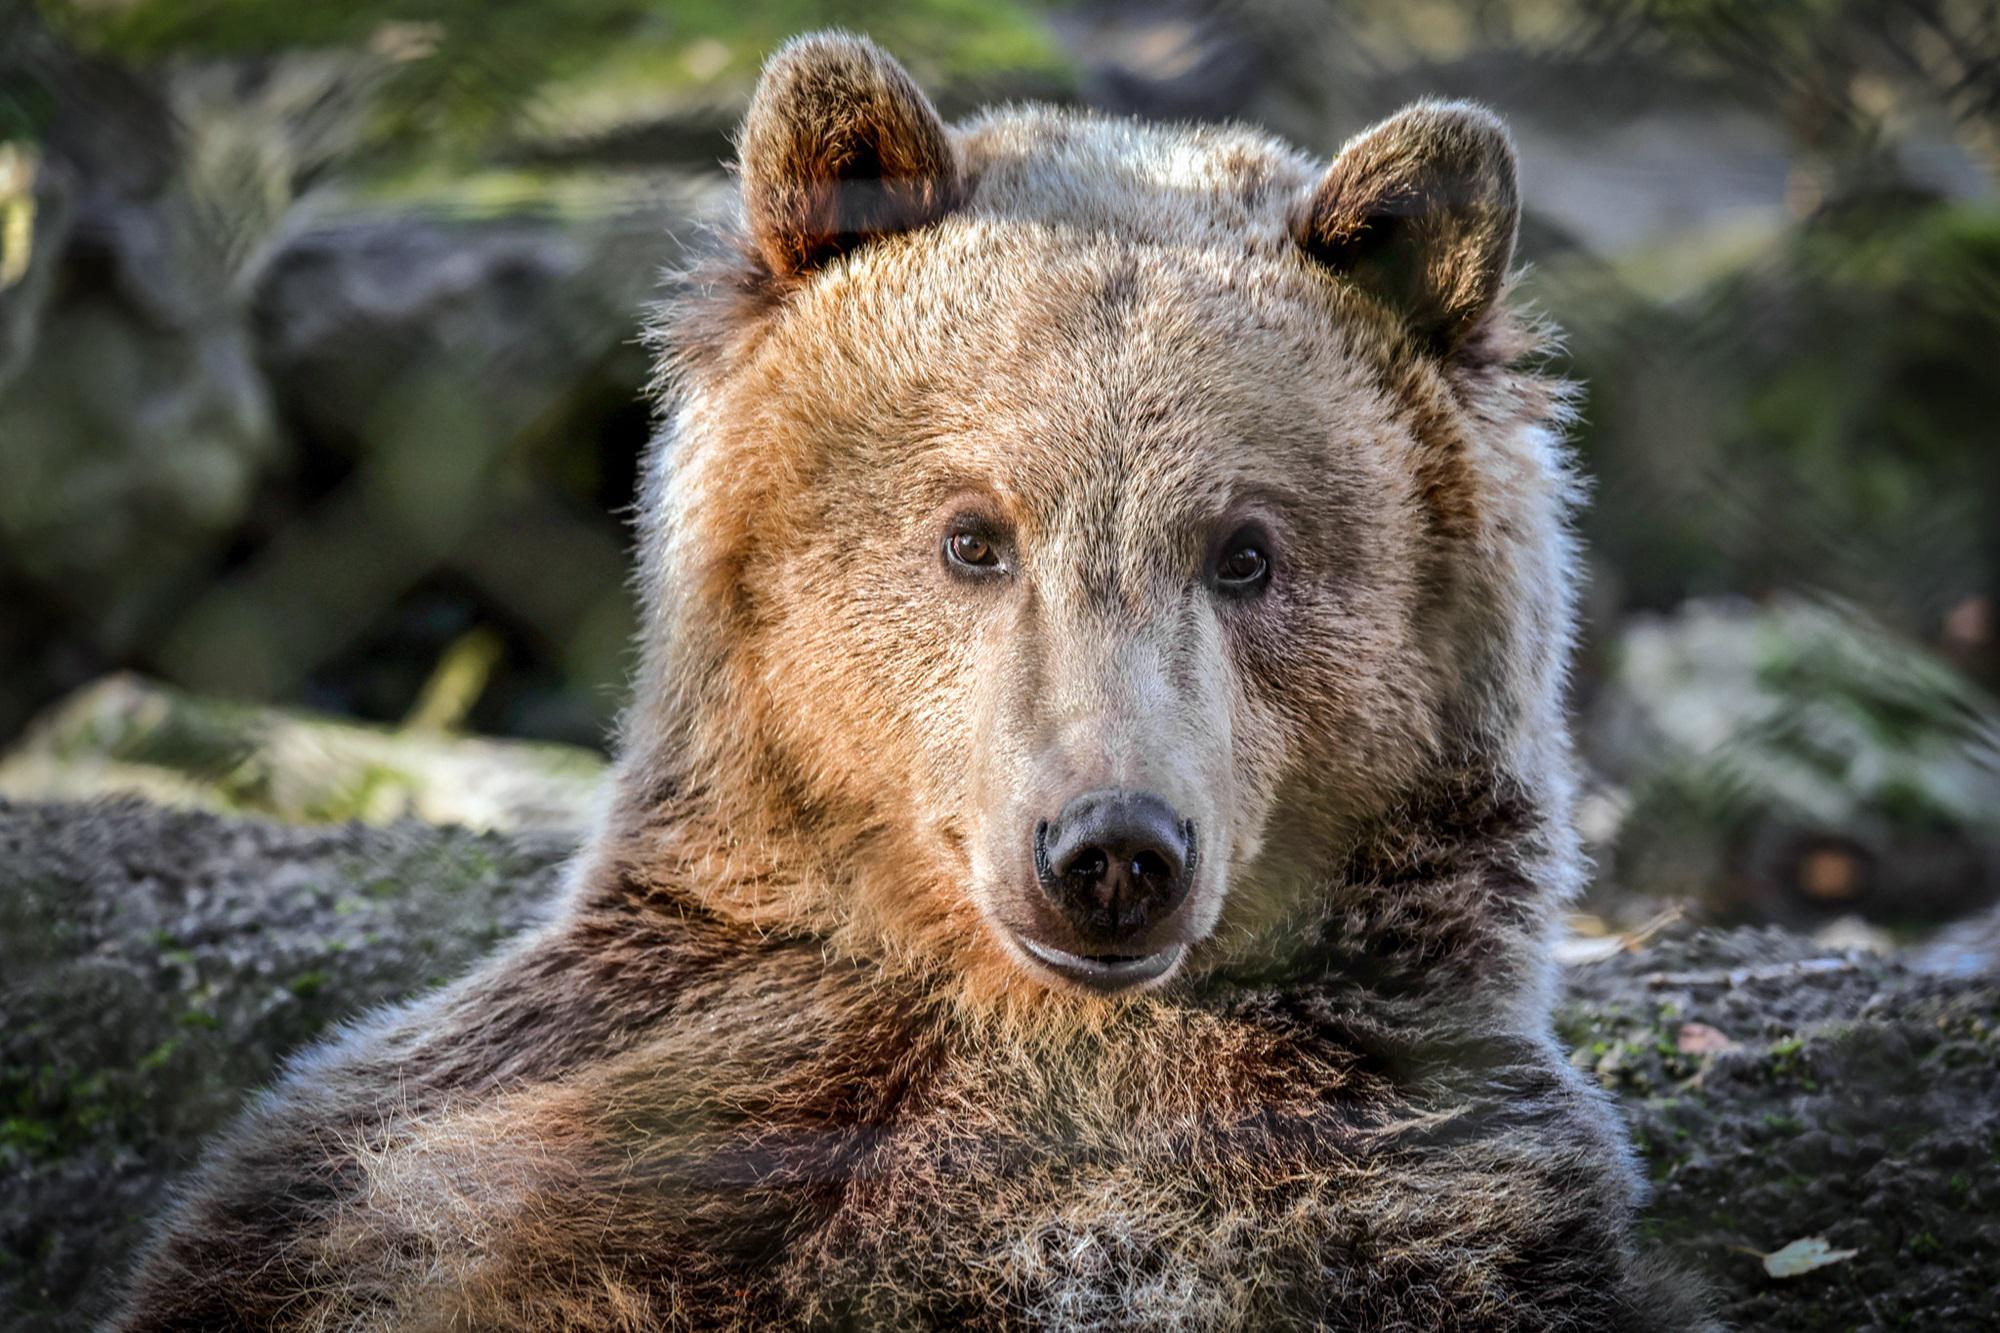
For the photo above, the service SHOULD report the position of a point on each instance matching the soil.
(159, 965)
(1849, 1096)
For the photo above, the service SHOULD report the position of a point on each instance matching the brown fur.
(780, 1062)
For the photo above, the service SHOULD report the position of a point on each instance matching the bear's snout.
(1114, 864)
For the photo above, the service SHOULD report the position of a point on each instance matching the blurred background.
(320, 401)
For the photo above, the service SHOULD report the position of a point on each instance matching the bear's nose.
(1115, 861)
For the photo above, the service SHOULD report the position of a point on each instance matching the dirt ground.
(1778, 1092)
(155, 966)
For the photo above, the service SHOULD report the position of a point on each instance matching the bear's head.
(1066, 535)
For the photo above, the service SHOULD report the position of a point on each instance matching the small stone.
(1701, 1039)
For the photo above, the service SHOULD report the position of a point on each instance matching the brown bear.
(1094, 807)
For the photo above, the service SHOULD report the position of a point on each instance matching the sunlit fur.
(774, 1063)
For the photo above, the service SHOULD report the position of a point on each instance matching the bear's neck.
(1445, 900)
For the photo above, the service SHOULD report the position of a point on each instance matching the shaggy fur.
(781, 1062)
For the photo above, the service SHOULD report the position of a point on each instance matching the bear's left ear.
(1421, 211)
(840, 146)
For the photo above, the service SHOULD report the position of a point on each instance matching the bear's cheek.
(857, 677)
(1331, 708)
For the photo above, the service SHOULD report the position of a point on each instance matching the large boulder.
(1782, 1092)
(160, 964)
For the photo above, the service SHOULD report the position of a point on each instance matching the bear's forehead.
(1166, 184)
(1086, 236)
(1108, 295)
(1046, 359)
(982, 312)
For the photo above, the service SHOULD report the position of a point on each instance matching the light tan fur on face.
(777, 1064)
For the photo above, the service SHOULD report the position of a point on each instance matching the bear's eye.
(969, 551)
(1244, 568)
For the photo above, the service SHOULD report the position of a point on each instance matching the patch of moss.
(308, 984)
(54, 1110)
(1784, 1064)
(1778, 1122)
(158, 1056)
(369, 793)
(31, 1138)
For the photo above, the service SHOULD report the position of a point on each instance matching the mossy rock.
(160, 965)
(1778, 1091)
(125, 735)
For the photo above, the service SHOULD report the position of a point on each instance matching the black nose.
(1115, 861)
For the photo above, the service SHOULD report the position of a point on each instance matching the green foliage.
(1817, 415)
(1748, 736)
(26, 106)
(463, 74)
(1841, 70)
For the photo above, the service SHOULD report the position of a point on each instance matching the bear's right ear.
(1421, 212)
(840, 146)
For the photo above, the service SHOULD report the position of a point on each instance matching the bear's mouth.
(1104, 972)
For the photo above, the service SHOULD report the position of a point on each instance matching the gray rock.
(126, 736)
(159, 965)
(522, 308)
(1779, 1091)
